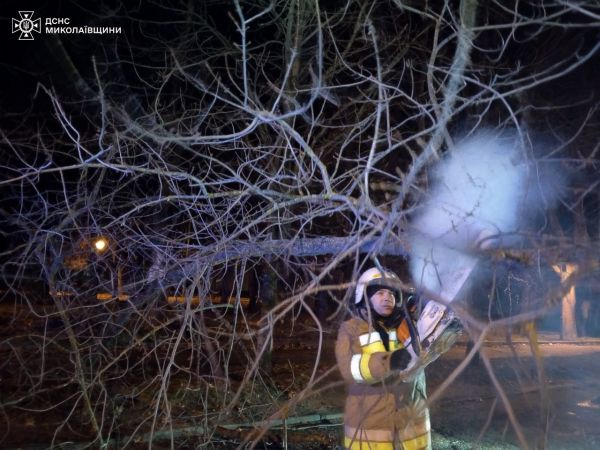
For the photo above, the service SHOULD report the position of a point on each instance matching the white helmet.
(374, 277)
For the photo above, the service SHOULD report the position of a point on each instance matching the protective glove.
(443, 341)
(408, 364)
(403, 359)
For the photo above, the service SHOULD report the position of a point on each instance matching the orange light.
(101, 244)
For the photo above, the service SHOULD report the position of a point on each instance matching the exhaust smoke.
(478, 198)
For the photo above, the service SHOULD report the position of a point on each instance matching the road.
(569, 418)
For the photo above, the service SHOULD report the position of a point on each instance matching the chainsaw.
(438, 327)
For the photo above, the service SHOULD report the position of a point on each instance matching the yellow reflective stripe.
(355, 368)
(394, 344)
(419, 443)
(369, 338)
(364, 368)
(373, 348)
(371, 343)
(355, 444)
(359, 368)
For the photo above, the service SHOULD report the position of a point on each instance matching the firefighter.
(385, 407)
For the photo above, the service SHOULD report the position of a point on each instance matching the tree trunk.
(568, 329)
(267, 280)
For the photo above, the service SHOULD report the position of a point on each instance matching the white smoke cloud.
(480, 189)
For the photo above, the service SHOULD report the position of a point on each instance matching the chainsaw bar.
(435, 316)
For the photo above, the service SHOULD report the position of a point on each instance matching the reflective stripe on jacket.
(380, 410)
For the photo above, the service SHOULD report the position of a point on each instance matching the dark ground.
(468, 414)
(571, 420)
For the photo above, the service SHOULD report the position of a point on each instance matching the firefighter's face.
(383, 302)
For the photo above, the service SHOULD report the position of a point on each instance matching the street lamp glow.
(101, 244)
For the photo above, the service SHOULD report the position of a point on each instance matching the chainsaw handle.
(414, 335)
